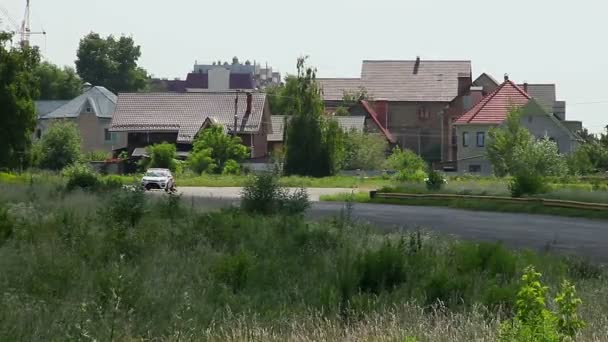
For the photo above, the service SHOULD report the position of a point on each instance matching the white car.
(160, 179)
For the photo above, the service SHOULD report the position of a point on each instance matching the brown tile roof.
(494, 108)
(333, 88)
(407, 81)
(184, 113)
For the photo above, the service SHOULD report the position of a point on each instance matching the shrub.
(96, 156)
(233, 270)
(110, 183)
(80, 176)
(435, 181)
(409, 176)
(231, 167)
(383, 269)
(405, 160)
(125, 206)
(162, 156)
(214, 147)
(201, 161)
(365, 151)
(60, 146)
(264, 195)
(533, 321)
(527, 184)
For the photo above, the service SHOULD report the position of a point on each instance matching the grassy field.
(123, 266)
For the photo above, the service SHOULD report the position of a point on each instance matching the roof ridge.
(98, 88)
(523, 92)
(485, 101)
(421, 60)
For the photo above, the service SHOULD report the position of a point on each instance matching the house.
(151, 118)
(221, 77)
(473, 126)
(91, 111)
(415, 100)
(363, 118)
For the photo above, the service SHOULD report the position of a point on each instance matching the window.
(89, 110)
(424, 113)
(481, 139)
(474, 168)
(38, 133)
(107, 134)
(465, 139)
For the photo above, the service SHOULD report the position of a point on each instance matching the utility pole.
(236, 112)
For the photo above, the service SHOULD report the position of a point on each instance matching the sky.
(539, 41)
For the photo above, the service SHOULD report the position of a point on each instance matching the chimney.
(526, 87)
(417, 65)
(249, 104)
(506, 77)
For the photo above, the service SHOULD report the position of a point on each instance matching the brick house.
(415, 100)
(473, 126)
(150, 118)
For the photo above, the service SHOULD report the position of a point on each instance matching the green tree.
(409, 165)
(56, 83)
(504, 140)
(313, 147)
(162, 156)
(111, 62)
(219, 146)
(352, 97)
(365, 151)
(17, 91)
(60, 146)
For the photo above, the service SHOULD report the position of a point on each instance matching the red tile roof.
(494, 108)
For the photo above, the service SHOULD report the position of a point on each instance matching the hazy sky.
(538, 41)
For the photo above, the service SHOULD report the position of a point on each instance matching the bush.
(435, 181)
(231, 168)
(59, 146)
(365, 151)
(383, 269)
(201, 161)
(162, 156)
(527, 184)
(406, 161)
(410, 176)
(264, 195)
(125, 207)
(96, 156)
(80, 176)
(533, 321)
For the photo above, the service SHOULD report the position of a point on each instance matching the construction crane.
(24, 30)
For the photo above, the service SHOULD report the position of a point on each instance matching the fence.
(543, 201)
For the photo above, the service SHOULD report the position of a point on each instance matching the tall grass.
(123, 266)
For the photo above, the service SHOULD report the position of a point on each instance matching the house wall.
(91, 129)
(219, 79)
(541, 125)
(257, 143)
(472, 155)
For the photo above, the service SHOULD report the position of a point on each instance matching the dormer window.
(89, 110)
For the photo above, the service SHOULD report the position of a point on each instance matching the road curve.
(584, 237)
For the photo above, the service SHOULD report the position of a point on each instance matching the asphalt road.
(584, 237)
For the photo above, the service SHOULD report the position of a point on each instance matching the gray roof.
(101, 100)
(544, 94)
(333, 88)
(184, 113)
(347, 123)
(435, 81)
(43, 107)
(400, 80)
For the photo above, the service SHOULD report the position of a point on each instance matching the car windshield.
(155, 174)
